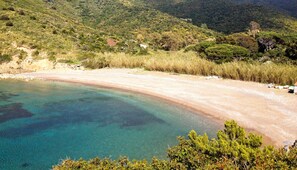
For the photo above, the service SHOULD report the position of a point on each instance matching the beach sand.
(270, 112)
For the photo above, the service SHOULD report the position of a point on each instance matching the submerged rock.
(13, 111)
(25, 165)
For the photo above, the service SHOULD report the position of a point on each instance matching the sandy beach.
(270, 112)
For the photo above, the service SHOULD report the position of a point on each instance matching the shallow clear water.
(42, 122)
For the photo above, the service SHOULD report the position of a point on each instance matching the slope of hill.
(135, 18)
(288, 6)
(226, 15)
(75, 30)
(65, 28)
(38, 25)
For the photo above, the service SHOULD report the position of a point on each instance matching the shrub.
(52, 58)
(201, 47)
(4, 18)
(291, 51)
(171, 42)
(9, 24)
(5, 58)
(142, 51)
(33, 18)
(221, 53)
(242, 40)
(204, 45)
(96, 63)
(21, 12)
(232, 149)
(67, 61)
(35, 53)
(11, 8)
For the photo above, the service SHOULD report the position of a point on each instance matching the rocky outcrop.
(29, 64)
(266, 44)
(16, 66)
(19, 66)
(43, 64)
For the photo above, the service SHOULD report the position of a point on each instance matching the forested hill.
(65, 27)
(72, 28)
(230, 16)
(288, 6)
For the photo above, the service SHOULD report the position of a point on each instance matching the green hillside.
(38, 25)
(287, 6)
(67, 28)
(226, 15)
(80, 30)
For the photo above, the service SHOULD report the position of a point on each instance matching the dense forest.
(228, 16)
(287, 6)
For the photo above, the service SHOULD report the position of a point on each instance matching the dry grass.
(190, 63)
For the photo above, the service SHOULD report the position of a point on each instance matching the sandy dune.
(268, 111)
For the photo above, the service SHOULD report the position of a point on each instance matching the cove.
(43, 122)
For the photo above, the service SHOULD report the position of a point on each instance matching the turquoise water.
(43, 122)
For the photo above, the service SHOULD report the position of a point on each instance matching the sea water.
(44, 122)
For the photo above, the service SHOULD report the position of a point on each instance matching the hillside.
(287, 6)
(227, 16)
(39, 26)
(74, 31)
(68, 28)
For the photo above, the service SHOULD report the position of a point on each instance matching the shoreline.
(266, 140)
(129, 80)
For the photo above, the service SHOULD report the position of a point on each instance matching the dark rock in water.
(6, 96)
(13, 111)
(25, 165)
(75, 112)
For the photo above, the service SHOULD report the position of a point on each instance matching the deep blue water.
(43, 122)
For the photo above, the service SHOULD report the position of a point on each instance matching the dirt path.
(269, 111)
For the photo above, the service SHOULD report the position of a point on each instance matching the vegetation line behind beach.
(190, 63)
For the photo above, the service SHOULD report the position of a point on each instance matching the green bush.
(33, 18)
(201, 47)
(11, 8)
(240, 39)
(9, 24)
(204, 45)
(232, 149)
(291, 51)
(5, 58)
(21, 12)
(52, 58)
(4, 18)
(96, 63)
(221, 53)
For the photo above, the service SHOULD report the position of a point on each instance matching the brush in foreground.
(232, 149)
